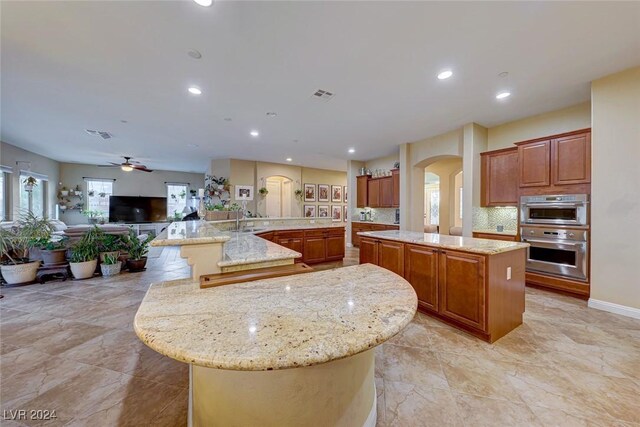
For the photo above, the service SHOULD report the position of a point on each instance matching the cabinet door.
(386, 192)
(314, 249)
(266, 236)
(335, 247)
(462, 288)
(534, 160)
(395, 176)
(368, 251)
(571, 159)
(421, 270)
(500, 178)
(361, 191)
(373, 193)
(391, 256)
(295, 244)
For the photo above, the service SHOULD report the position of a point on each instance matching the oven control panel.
(553, 233)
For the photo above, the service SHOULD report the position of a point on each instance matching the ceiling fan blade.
(141, 168)
(113, 165)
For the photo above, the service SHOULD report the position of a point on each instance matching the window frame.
(185, 186)
(87, 182)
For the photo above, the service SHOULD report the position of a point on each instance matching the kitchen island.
(292, 351)
(473, 284)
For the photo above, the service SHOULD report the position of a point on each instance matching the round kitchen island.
(288, 351)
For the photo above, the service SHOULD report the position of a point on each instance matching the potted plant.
(84, 258)
(298, 194)
(110, 265)
(15, 242)
(29, 182)
(138, 249)
(51, 251)
(263, 191)
(215, 212)
(109, 245)
(64, 192)
(92, 215)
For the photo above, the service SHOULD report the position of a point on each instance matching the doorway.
(279, 197)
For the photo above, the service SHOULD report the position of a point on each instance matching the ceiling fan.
(128, 165)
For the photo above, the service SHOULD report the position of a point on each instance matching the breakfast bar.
(286, 351)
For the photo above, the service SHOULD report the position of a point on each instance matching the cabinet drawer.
(289, 234)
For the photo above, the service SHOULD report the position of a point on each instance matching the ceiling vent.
(323, 95)
(101, 134)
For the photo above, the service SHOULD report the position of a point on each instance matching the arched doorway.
(279, 197)
(443, 196)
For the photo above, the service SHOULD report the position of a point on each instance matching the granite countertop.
(279, 323)
(246, 248)
(494, 231)
(466, 244)
(189, 233)
(378, 222)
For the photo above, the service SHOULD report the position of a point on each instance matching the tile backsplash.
(490, 218)
(385, 215)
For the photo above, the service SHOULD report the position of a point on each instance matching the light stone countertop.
(494, 231)
(377, 222)
(246, 248)
(279, 323)
(465, 244)
(189, 233)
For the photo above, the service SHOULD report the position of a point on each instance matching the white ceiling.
(72, 65)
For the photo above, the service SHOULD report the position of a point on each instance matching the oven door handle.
(553, 205)
(552, 243)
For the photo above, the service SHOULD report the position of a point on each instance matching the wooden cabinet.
(535, 164)
(373, 193)
(395, 178)
(386, 192)
(293, 240)
(368, 251)
(421, 270)
(499, 185)
(315, 249)
(361, 191)
(266, 236)
(391, 256)
(556, 165)
(505, 237)
(462, 288)
(316, 245)
(335, 245)
(571, 160)
(357, 227)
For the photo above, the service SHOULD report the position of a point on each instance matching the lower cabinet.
(315, 249)
(385, 253)
(316, 245)
(421, 270)
(293, 240)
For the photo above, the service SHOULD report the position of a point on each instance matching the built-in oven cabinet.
(555, 163)
(560, 209)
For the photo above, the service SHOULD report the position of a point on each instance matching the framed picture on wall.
(344, 214)
(323, 211)
(309, 192)
(323, 193)
(336, 213)
(244, 192)
(309, 211)
(336, 193)
(344, 193)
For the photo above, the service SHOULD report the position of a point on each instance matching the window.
(98, 192)
(432, 199)
(34, 201)
(176, 199)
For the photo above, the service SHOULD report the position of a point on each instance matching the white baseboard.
(614, 308)
(349, 245)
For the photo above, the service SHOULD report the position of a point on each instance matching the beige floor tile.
(414, 335)
(57, 335)
(480, 411)
(554, 418)
(20, 360)
(415, 405)
(400, 364)
(380, 403)
(175, 413)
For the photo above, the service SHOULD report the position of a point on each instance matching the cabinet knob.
(571, 234)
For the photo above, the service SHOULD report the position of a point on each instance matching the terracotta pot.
(56, 256)
(136, 264)
(110, 269)
(83, 270)
(20, 273)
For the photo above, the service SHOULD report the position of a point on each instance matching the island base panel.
(338, 393)
(202, 258)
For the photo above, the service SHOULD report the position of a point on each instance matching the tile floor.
(70, 347)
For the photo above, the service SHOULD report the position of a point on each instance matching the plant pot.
(136, 264)
(216, 215)
(56, 256)
(83, 270)
(123, 260)
(93, 220)
(110, 269)
(20, 273)
(113, 253)
(234, 214)
(64, 193)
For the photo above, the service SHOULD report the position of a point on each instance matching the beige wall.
(551, 123)
(9, 155)
(384, 163)
(446, 171)
(126, 184)
(615, 190)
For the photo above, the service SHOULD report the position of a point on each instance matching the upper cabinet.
(381, 192)
(549, 165)
(499, 185)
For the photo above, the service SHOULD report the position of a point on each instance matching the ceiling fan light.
(126, 168)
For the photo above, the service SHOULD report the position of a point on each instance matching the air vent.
(322, 94)
(101, 134)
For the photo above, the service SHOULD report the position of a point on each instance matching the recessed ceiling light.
(352, 150)
(295, 140)
(503, 74)
(194, 90)
(503, 95)
(194, 54)
(445, 74)
(205, 3)
(254, 133)
(271, 114)
(124, 121)
(289, 159)
(227, 119)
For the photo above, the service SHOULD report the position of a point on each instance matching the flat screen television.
(137, 209)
